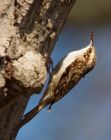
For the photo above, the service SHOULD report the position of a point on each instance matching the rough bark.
(28, 32)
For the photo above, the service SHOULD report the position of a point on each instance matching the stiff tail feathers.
(30, 115)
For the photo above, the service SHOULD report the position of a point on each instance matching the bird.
(67, 73)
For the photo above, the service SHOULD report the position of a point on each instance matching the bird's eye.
(90, 50)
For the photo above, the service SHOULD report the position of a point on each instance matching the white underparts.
(71, 57)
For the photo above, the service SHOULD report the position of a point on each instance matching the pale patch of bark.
(28, 32)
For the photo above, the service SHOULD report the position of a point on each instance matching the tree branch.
(29, 30)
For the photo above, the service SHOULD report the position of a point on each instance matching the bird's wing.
(70, 77)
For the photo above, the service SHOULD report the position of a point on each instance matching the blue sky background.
(85, 113)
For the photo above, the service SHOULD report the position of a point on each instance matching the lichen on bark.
(28, 32)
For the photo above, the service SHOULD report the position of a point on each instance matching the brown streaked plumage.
(65, 76)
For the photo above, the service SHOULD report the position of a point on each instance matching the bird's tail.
(30, 115)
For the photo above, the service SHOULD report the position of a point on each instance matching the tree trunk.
(29, 30)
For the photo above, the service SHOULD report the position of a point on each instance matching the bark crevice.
(29, 30)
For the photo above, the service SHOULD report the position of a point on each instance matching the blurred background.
(85, 113)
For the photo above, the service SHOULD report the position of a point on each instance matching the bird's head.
(89, 54)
